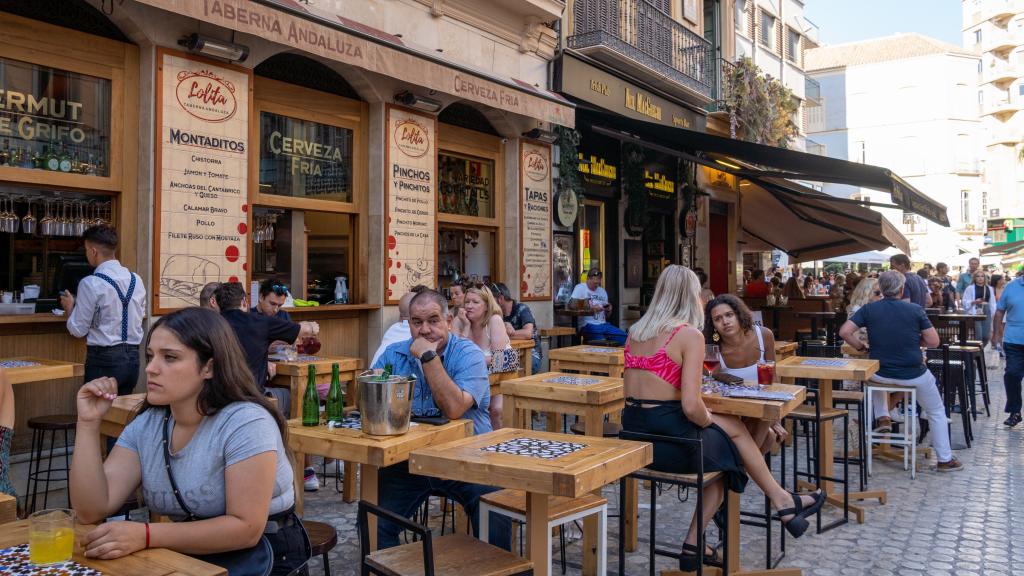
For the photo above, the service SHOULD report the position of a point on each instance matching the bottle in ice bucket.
(386, 374)
(335, 399)
(311, 401)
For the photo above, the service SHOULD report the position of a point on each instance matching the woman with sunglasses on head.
(662, 380)
(458, 309)
(485, 326)
(205, 446)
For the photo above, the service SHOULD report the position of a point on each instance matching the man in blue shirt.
(896, 331)
(1011, 308)
(915, 289)
(966, 278)
(451, 382)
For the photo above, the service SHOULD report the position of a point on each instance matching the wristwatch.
(427, 356)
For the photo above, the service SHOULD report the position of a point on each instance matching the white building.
(907, 102)
(995, 28)
(775, 35)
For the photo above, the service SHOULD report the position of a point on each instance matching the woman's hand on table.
(95, 398)
(114, 540)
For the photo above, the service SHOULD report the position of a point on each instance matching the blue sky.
(851, 20)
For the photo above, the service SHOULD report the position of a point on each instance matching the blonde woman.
(792, 289)
(663, 358)
(485, 326)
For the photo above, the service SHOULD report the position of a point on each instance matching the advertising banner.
(535, 245)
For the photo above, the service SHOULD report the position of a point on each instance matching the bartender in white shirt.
(108, 312)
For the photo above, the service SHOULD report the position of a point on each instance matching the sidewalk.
(963, 523)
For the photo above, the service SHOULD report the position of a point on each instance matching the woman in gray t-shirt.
(226, 450)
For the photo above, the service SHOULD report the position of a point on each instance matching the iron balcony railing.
(723, 69)
(641, 32)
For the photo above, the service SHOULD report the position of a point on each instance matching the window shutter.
(780, 42)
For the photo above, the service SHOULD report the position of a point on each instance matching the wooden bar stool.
(561, 511)
(40, 427)
(451, 555)
(322, 539)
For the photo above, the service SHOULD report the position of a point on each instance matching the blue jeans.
(120, 362)
(403, 492)
(1012, 376)
(603, 331)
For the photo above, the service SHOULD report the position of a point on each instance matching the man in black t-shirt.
(519, 321)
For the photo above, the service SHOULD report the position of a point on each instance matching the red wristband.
(147, 534)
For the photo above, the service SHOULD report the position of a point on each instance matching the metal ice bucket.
(385, 406)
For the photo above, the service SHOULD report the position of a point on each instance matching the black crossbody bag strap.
(189, 516)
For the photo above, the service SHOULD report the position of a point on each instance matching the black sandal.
(797, 525)
(688, 558)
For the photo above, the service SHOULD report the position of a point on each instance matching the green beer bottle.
(311, 401)
(335, 398)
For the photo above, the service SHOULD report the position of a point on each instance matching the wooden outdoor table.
(768, 410)
(46, 370)
(588, 359)
(557, 332)
(148, 562)
(853, 352)
(590, 397)
(961, 318)
(371, 452)
(850, 369)
(295, 376)
(598, 462)
(784, 349)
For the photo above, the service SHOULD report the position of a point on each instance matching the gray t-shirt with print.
(238, 431)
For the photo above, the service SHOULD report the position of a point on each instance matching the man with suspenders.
(108, 311)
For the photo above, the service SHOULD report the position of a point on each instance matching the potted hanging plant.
(569, 181)
(633, 187)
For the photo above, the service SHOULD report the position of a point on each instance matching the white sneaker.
(896, 415)
(310, 482)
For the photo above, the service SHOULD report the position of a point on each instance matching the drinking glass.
(711, 359)
(291, 354)
(770, 300)
(783, 300)
(51, 536)
(766, 372)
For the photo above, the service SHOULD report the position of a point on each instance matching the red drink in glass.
(711, 365)
(765, 373)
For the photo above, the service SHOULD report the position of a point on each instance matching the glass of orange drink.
(51, 536)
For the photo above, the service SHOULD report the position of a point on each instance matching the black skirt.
(667, 419)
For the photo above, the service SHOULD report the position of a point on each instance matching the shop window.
(306, 159)
(591, 240)
(307, 249)
(466, 186)
(54, 120)
(465, 255)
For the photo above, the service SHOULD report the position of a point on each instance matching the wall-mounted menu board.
(411, 201)
(202, 149)
(535, 225)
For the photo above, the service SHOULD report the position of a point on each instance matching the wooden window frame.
(118, 62)
(279, 98)
(463, 142)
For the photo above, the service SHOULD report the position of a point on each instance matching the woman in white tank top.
(741, 346)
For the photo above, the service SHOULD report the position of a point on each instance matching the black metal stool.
(40, 427)
(811, 417)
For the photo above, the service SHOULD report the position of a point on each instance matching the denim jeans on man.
(1012, 377)
(403, 493)
(120, 362)
(603, 331)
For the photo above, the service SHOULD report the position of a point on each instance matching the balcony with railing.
(636, 37)
(996, 39)
(999, 72)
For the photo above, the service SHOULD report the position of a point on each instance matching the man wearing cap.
(591, 296)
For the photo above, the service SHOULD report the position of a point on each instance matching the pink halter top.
(659, 363)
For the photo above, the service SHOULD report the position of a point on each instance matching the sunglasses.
(280, 289)
(878, 293)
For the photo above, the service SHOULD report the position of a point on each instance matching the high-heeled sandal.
(797, 525)
(688, 558)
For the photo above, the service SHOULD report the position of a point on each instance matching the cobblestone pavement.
(964, 523)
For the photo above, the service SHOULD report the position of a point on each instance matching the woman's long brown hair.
(211, 337)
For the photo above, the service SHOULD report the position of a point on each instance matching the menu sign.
(535, 177)
(201, 177)
(411, 202)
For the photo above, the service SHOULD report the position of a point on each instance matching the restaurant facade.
(239, 140)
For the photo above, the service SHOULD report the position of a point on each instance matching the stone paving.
(963, 523)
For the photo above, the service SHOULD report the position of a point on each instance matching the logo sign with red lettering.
(205, 95)
(410, 138)
(411, 202)
(535, 227)
(201, 212)
(535, 166)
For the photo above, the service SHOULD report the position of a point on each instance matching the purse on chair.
(505, 360)
(255, 561)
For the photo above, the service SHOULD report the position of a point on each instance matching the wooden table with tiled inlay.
(371, 452)
(784, 349)
(588, 359)
(827, 371)
(570, 466)
(147, 562)
(41, 370)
